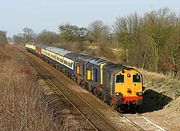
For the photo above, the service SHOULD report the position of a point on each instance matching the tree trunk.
(156, 58)
(144, 55)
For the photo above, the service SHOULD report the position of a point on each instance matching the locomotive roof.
(111, 67)
(97, 61)
(85, 58)
(58, 50)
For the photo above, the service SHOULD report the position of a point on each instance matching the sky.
(49, 14)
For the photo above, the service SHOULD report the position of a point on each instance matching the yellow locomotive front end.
(129, 85)
(122, 87)
(128, 88)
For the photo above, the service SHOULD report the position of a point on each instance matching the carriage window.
(65, 62)
(70, 64)
(61, 60)
(120, 78)
(136, 78)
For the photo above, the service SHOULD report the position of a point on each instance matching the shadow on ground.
(154, 101)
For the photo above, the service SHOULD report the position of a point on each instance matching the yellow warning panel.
(88, 75)
(78, 70)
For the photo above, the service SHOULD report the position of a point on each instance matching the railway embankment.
(24, 105)
(162, 99)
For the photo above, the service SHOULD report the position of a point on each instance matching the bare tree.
(28, 35)
(173, 49)
(158, 30)
(72, 33)
(47, 37)
(98, 31)
(3, 39)
(18, 39)
(129, 36)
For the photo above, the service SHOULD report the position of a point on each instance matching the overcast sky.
(49, 14)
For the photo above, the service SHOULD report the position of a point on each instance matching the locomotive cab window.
(136, 78)
(120, 78)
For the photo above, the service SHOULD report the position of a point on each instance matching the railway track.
(87, 106)
(53, 85)
(143, 122)
(89, 113)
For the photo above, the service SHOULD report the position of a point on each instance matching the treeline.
(3, 39)
(151, 41)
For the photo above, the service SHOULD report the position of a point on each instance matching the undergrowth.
(22, 107)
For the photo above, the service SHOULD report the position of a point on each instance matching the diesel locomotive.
(118, 85)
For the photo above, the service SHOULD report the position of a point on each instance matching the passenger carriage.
(31, 48)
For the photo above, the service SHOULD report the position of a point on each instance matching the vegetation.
(23, 104)
(47, 37)
(3, 39)
(150, 42)
(98, 32)
(28, 35)
(71, 33)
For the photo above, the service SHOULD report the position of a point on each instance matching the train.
(118, 85)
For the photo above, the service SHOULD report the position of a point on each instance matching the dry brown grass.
(161, 83)
(22, 107)
(163, 94)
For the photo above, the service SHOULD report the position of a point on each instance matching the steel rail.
(87, 119)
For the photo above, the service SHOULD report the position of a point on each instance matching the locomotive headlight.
(128, 75)
(119, 95)
(139, 93)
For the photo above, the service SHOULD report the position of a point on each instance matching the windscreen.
(136, 78)
(120, 78)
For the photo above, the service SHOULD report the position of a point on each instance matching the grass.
(161, 83)
(22, 107)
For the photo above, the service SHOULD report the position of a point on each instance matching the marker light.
(128, 75)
